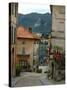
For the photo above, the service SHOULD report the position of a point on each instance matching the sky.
(26, 8)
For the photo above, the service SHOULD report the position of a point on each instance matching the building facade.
(13, 13)
(58, 26)
(43, 50)
(57, 53)
(27, 49)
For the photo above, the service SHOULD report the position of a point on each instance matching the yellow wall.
(29, 49)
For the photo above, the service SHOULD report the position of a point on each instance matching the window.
(23, 42)
(14, 34)
(23, 50)
(23, 64)
(46, 43)
(33, 62)
(41, 62)
(16, 8)
(11, 34)
(12, 8)
(62, 11)
(36, 42)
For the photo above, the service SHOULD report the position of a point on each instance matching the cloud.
(26, 8)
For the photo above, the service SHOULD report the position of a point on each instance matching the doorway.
(23, 64)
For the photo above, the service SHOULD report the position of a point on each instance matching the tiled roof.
(23, 33)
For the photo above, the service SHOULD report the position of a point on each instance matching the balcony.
(22, 52)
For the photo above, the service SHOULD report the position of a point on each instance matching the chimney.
(30, 29)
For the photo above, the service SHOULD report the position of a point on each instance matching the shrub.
(39, 71)
(30, 70)
(46, 72)
(57, 48)
(18, 69)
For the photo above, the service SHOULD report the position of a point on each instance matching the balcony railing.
(22, 53)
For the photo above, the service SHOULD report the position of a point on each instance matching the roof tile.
(23, 33)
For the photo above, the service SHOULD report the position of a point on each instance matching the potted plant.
(18, 69)
(39, 70)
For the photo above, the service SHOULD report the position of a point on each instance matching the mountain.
(40, 23)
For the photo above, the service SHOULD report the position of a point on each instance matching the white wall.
(44, 68)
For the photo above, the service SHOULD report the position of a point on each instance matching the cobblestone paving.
(32, 79)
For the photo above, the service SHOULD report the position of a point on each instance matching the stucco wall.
(30, 48)
(58, 26)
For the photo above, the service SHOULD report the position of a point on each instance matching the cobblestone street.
(32, 79)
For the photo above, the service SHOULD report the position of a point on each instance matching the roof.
(24, 33)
